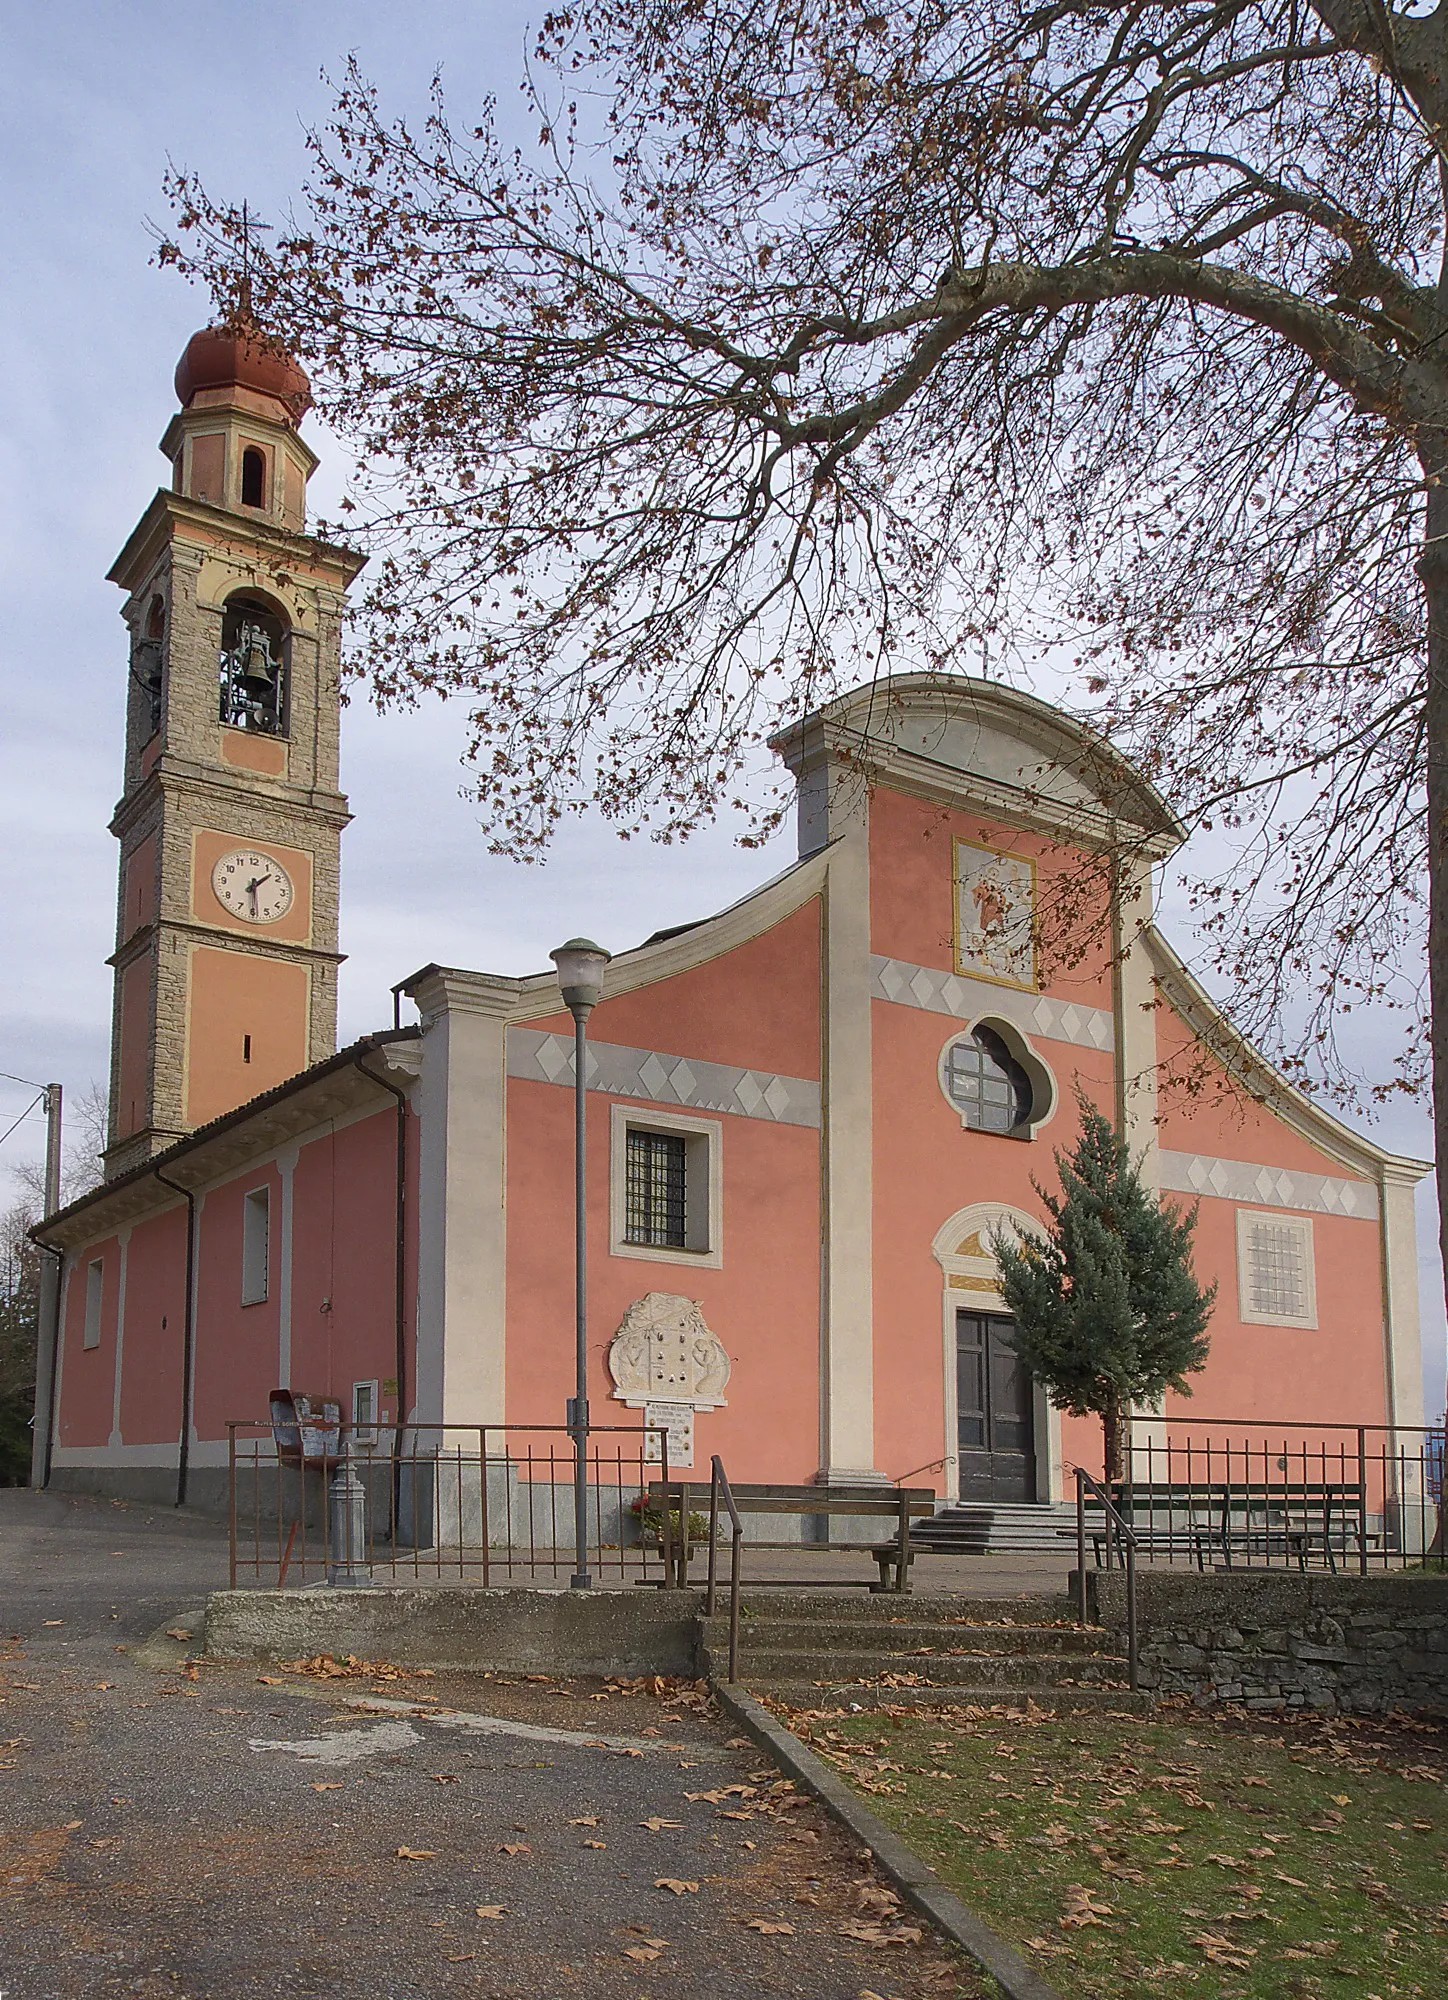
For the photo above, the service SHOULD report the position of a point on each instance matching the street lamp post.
(580, 965)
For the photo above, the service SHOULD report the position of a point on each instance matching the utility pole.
(48, 1330)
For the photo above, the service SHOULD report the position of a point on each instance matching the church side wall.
(328, 1318)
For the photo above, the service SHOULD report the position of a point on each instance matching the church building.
(808, 1114)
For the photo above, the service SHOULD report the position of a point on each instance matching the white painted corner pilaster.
(460, 1369)
(1134, 1010)
(847, 1360)
(1403, 1357)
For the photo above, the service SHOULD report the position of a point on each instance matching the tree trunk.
(1113, 1428)
(1433, 569)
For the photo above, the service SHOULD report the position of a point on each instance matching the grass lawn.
(1213, 1858)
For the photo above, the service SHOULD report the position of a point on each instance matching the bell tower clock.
(230, 819)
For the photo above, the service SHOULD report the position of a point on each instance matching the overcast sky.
(95, 99)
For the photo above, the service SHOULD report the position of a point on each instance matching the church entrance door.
(995, 1405)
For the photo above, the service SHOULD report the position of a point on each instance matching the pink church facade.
(807, 1117)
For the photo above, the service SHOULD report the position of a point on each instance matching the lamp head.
(580, 965)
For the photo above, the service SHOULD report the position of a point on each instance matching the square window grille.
(656, 1190)
(1276, 1279)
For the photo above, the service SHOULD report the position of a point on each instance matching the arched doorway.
(1003, 1436)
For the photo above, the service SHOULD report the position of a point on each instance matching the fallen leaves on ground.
(327, 1785)
(676, 1887)
(514, 1847)
(493, 1910)
(1224, 1951)
(658, 1825)
(417, 1854)
(1082, 1909)
(768, 1929)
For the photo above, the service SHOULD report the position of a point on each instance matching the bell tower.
(230, 819)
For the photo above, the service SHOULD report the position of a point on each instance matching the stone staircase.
(812, 1649)
(979, 1528)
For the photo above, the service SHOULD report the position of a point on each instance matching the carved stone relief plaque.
(664, 1352)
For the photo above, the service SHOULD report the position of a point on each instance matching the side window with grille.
(1276, 1274)
(666, 1198)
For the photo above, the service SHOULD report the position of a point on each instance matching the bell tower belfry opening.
(230, 818)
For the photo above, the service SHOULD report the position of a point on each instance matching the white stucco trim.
(1134, 1003)
(1404, 1342)
(709, 1133)
(847, 1371)
(461, 1352)
(971, 1285)
(1210, 1179)
(932, 990)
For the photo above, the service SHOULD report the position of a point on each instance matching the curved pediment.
(978, 743)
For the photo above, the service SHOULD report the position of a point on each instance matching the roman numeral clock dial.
(252, 885)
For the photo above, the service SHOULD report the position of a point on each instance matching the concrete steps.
(812, 1650)
(979, 1528)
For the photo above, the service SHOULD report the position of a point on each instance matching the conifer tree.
(1107, 1306)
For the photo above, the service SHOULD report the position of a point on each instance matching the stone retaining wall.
(1278, 1639)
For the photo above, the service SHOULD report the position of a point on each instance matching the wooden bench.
(898, 1504)
(1291, 1519)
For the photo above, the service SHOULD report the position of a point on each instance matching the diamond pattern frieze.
(936, 992)
(667, 1079)
(1267, 1187)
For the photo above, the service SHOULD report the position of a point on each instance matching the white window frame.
(703, 1187)
(366, 1412)
(1045, 1095)
(1301, 1227)
(95, 1283)
(256, 1246)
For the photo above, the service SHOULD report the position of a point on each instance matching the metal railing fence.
(1244, 1493)
(719, 1491)
(444, 1503)
(1120, 1542)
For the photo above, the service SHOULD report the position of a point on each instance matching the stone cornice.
(184, 776)
(170, 514)
(852, 733)
(257, 944)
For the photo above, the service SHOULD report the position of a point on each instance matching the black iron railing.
(719, 1491)
(1119, 1539)
(1250, 1493)
(443, 1503)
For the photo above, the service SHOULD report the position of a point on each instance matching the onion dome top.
(217, 358)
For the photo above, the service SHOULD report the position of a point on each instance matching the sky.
(95, 101)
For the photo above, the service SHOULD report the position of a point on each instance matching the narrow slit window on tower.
(255, 1246)
(253, 478)
(246, 1048)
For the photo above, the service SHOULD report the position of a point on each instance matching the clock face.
(252, 885)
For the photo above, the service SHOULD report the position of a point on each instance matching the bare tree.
(811, 340)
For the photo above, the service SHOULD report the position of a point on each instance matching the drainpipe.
(47, 1344)
(399, 1256)
(188, 1350)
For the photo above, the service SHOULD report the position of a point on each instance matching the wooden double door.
(995, 1407)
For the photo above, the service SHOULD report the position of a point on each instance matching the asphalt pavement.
(171, 1826)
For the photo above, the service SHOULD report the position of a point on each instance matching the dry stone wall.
(1278, 1639)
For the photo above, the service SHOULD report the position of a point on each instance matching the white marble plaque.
(678, 1420)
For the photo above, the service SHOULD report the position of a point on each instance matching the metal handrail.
(719, 1489)
(935, 1465)
(1116, 1525)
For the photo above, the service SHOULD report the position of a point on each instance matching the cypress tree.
(1107, 1306)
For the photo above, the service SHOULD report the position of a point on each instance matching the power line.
(28, 1081)
(24, 1115)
